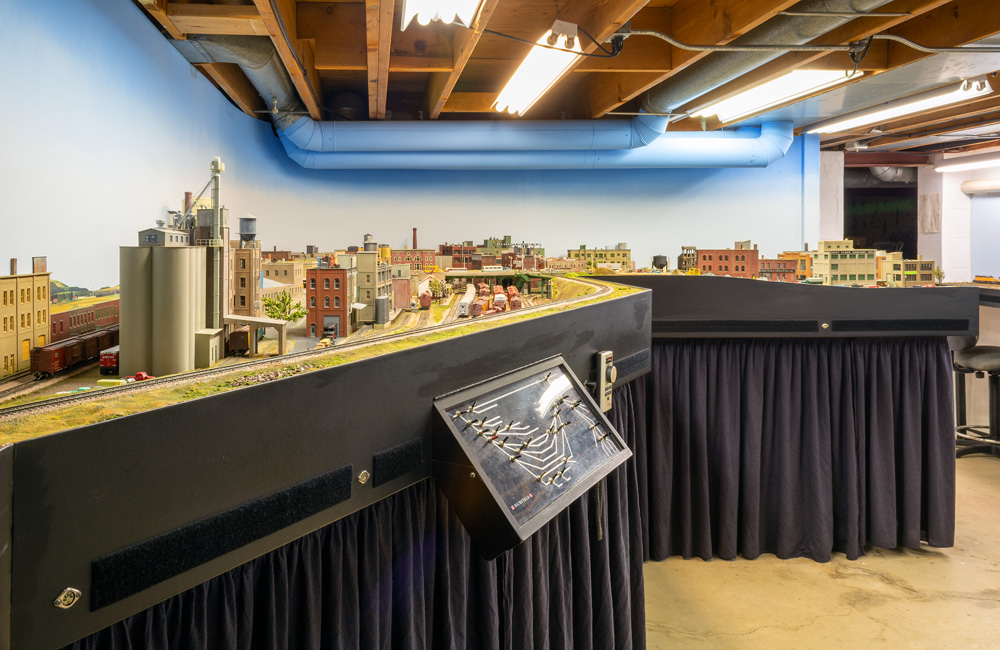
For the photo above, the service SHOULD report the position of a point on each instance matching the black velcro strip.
(633, 364)
(118, 575)
(901, 325)
(717, 326)
(396, 461)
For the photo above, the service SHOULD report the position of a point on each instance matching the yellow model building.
(24, 315)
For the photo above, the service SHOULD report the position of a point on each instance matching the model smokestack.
(13, 266)
(414, 238)
(188, 200)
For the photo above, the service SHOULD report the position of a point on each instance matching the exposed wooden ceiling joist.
(884, 159)
(441, 84)
(378, 43)
(158, 10)
(725, 20)
(943, 116)
(904, 141)
(855, 30)
(231, 80)
(240, 20)
(279, 18)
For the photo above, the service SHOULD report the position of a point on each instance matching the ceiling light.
(784, 89)
(964, 163)
(446, 11)
(964, 91)
(541, 69)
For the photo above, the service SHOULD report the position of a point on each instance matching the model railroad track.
(197, 375)
(12, 390)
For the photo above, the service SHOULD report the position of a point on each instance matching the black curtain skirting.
(403, 574)
(795, 447)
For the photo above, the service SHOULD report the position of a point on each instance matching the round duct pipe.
(981, 187)
(719, 68)
(895, 174)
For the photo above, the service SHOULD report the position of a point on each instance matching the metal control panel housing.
(512, 452)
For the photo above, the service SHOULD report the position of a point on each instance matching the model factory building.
(185, 289)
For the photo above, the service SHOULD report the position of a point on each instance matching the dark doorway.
(882, 218)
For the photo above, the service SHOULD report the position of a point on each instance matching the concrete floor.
(927, 598)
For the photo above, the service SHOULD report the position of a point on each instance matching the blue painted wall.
(108, 125)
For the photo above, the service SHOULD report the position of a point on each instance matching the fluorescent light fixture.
(541, 69)
(965, 163)
(784, 89)
(446, 11)
(964, 91)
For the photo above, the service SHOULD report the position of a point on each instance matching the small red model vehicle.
(139, 376)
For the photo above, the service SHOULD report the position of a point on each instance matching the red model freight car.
(425, 300)
(109, 361)
(55, 357)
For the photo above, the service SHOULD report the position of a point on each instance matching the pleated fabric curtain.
(796, 447)
(403, 574)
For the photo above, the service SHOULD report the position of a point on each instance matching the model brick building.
(778, 270)
(688, 259)
(418, 259)
(245, 276)
(64, 324)
(460, 255)
(803, 263)
(24, 315)
(742, 261)
(330, 295)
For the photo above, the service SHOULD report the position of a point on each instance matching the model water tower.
(248, 231)
(659, 262)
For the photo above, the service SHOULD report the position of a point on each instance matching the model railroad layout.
(21, 410)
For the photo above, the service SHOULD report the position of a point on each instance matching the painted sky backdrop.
(113, 125)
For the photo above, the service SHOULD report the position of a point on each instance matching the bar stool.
(981, 360)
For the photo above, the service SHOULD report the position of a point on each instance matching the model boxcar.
(239, 340)
(55, 357)
(425, 300)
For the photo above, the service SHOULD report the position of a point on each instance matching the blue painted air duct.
(745, 147)
(487, 135)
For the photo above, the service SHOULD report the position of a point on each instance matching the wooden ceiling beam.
(875, 61)
(940, 117)
(230, 79)
(157, 9)
(378, 44)
(692, 21)
(441, 85)
(279, 18)
(951, 25)
(238, 20)
(986, 119)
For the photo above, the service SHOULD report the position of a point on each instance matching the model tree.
(281, 308)
(939, 274)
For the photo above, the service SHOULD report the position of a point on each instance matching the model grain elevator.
(162, 306)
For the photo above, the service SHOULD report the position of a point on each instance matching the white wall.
(953, 245)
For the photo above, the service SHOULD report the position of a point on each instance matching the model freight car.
(479, 306)
(109, 361)
(425, 300)
(465, 304)
(239, 340)
(56, 357)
